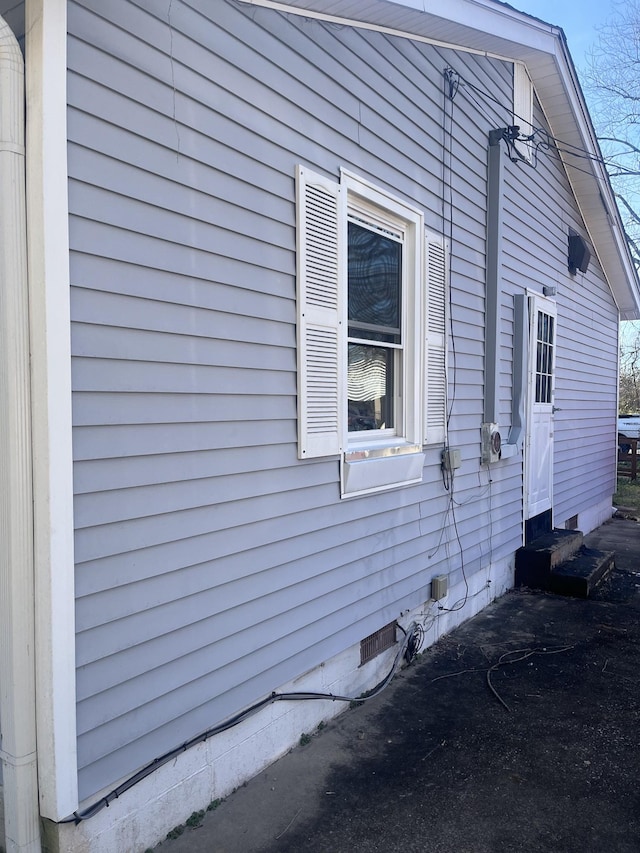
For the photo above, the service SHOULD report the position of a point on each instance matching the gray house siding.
(587, 376)
(541, 209)
(212, 565)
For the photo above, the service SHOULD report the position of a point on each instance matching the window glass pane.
(375, 280)
(544, 358)
(370, 384)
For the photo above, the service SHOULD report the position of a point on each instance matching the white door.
(539, 442)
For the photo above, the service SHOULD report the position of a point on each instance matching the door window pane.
(544, 358)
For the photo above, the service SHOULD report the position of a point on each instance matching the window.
(523, 107)
(374, 287)
(375, 334)
(371, 332)
(544, 358)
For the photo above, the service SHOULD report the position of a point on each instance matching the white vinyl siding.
(212, 564)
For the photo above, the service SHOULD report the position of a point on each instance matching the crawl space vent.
(376, 643)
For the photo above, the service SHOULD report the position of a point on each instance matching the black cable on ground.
(409, 647)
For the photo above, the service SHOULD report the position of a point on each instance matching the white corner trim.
(48, 249)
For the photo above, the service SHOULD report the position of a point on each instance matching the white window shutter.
(435, 404)
(320, 300)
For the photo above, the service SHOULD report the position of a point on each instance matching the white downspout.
(17, 605)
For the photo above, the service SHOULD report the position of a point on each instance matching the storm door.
(539, 441)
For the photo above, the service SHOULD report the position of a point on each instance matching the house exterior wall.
(212, 566)
(540, 210)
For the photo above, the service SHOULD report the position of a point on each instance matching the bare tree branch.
(612, 86)
(620, 142)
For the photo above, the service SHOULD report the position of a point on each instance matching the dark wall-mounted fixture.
(579, 253)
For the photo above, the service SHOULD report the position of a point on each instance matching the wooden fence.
(628, 458)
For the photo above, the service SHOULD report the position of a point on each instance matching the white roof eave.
(498, 30)
(563, 103)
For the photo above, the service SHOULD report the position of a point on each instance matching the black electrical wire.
(551, 142)
(461, 604)
(415, 639)
(555, 152)
(452, 85)
(445, 470)
(408, 649)
(548, 143)
(536, 130)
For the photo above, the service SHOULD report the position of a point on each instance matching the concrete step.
(536, 561)
(559, 562)
(582, 573)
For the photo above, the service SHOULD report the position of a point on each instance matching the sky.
(578, 18)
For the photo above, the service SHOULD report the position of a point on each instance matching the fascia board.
(492, 21)
(482, 25)
(568, 117)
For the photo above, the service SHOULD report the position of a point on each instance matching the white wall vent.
(377, 642)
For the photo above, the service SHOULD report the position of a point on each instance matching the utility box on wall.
(491, 443)
(439, 587)
(451, 458)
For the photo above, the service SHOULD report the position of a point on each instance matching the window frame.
(368, 202)
(367, 463)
